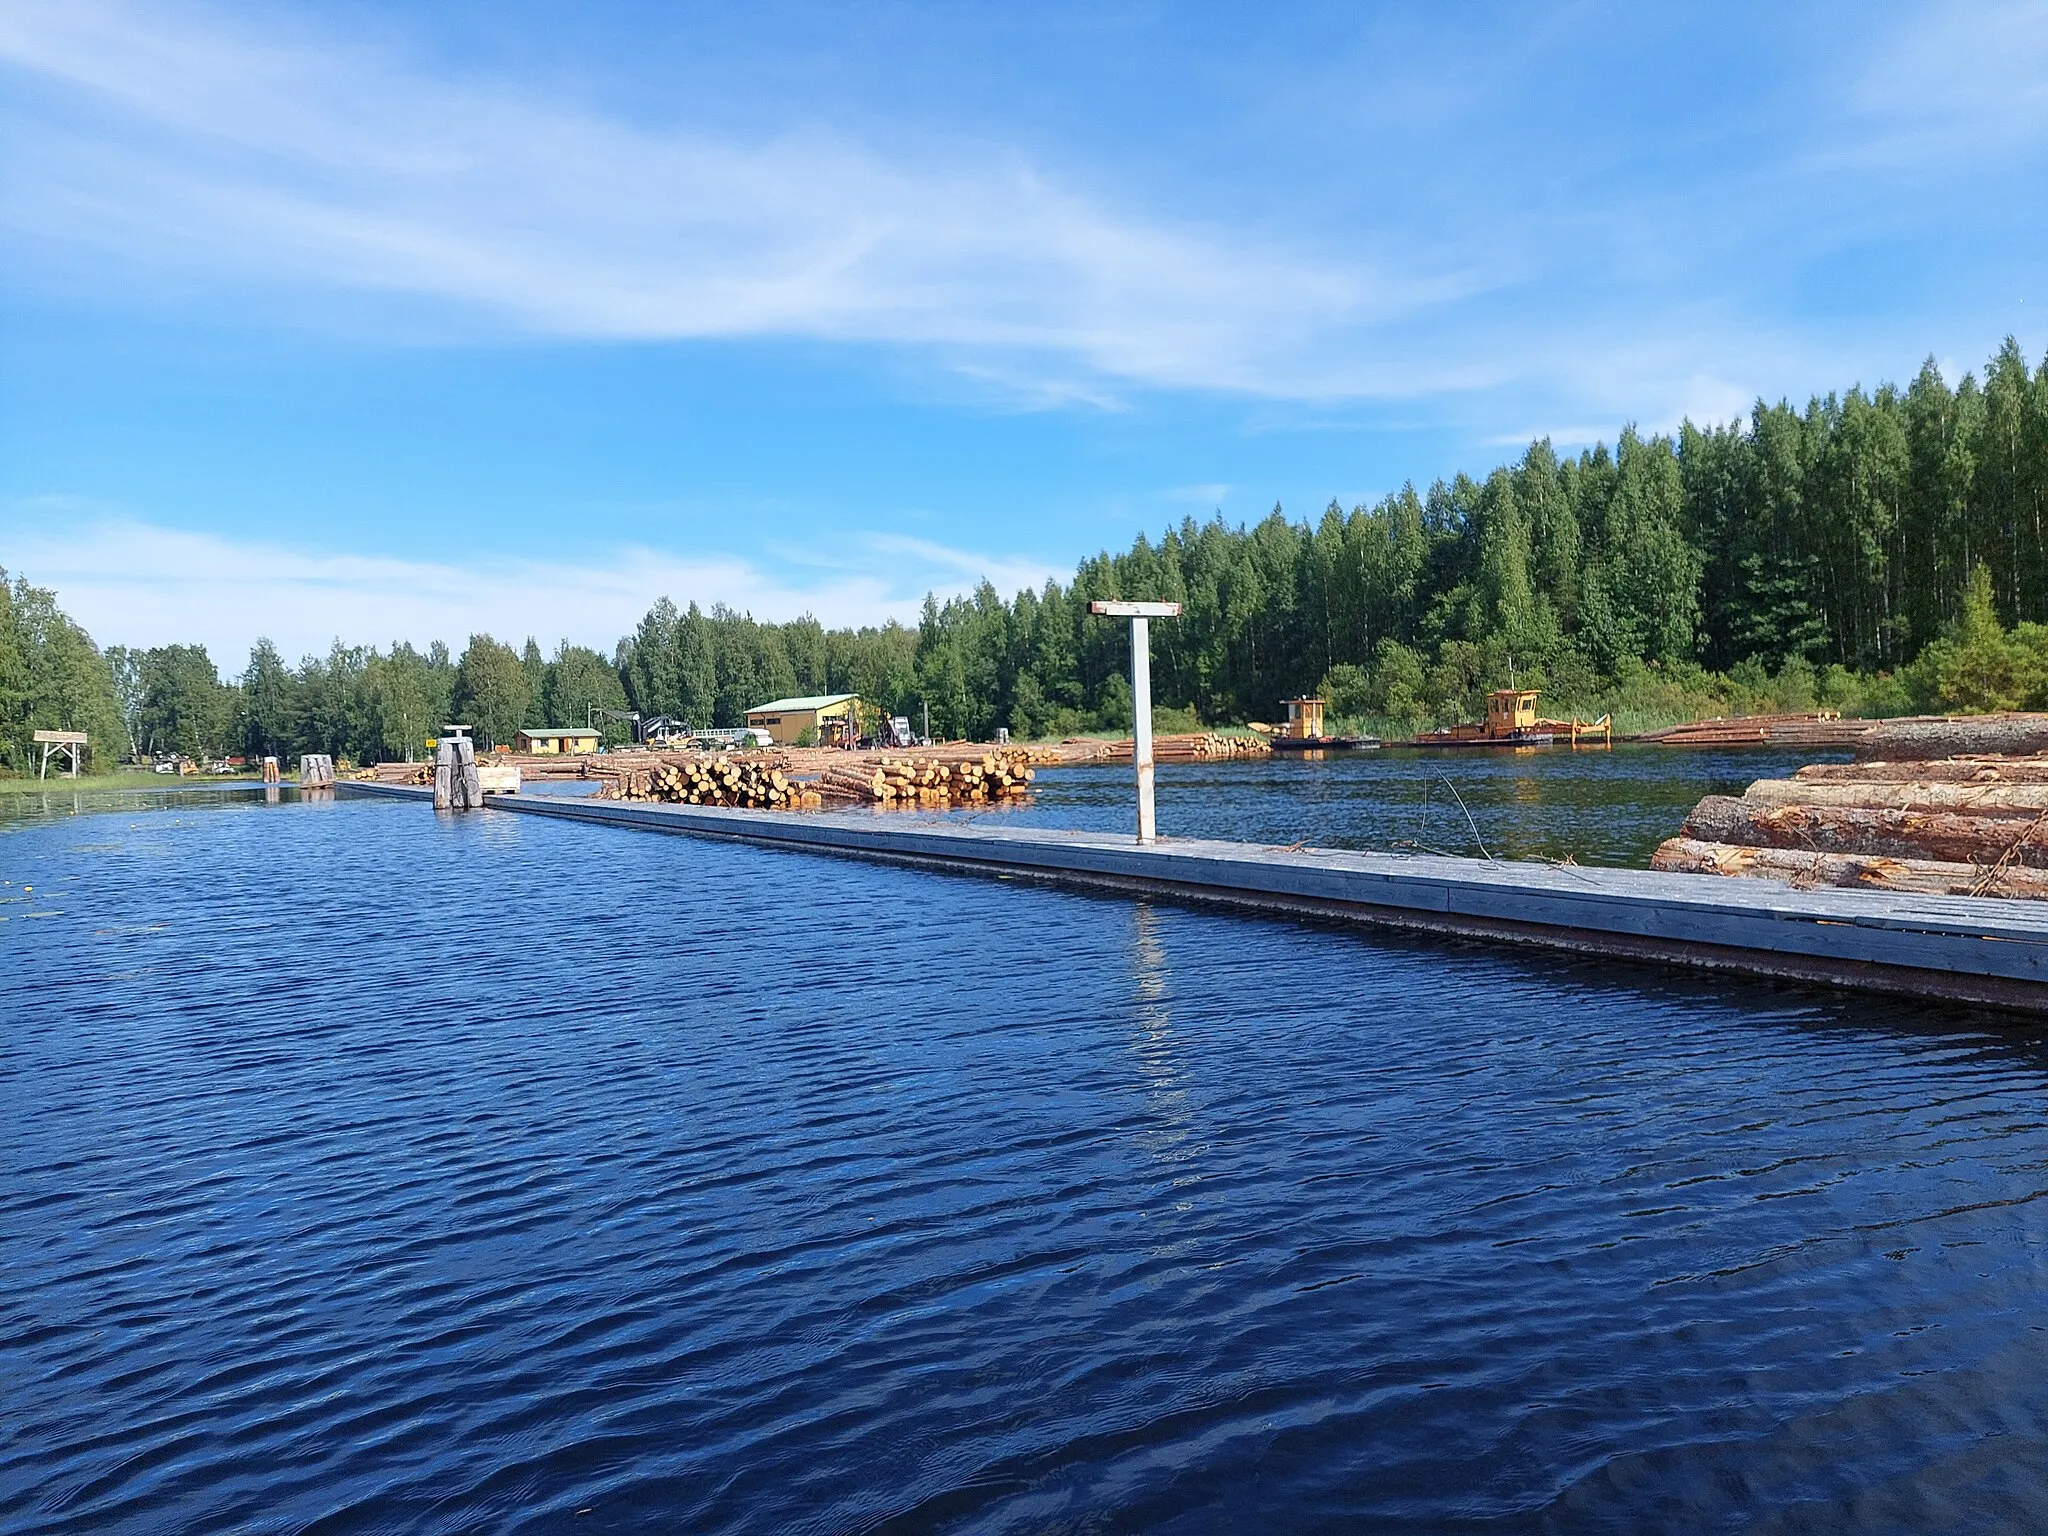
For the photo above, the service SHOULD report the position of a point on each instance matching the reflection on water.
(1152, 1042)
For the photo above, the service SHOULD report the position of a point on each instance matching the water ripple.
(363, 1171)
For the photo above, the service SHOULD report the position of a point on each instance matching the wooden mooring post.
(316, 771)
(457, 785)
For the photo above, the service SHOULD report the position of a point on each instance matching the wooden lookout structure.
(73, 742)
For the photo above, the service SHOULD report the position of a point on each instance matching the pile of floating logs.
(751, 783)
(1974, 825)
(974, 752)
(1818, 728)
(1195, 746)
(1003, 773)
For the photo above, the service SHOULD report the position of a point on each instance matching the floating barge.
(1977, 950)
(1326, 744)
(1511, 721)
(1304, 731)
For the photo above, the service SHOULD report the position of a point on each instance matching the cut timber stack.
(1198, 746)
(685, 779)
(1820, 728)
(974, 752)
(1895, 741)
(1966, 826)
(1004, 773)
(400, 773)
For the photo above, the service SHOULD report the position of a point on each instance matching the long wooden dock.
(1960, 949)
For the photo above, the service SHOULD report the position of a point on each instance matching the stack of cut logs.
(1964, 826)
(399, 773)
(1198, 746)
(1041, 755)
(689, 779)
(1002, 774)
(1819, 728)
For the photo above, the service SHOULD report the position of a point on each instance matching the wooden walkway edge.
(1958, 949)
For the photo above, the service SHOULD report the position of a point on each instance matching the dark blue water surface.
(362, 1170)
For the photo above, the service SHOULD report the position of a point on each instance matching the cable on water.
(1468, 818)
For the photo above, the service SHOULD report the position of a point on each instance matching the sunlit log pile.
(1195, 746)
(1968, 825)
(531, 766)
(1035, 756)
(750, 783)
(998, 774)
(1929, 737)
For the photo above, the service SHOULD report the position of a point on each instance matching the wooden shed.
(835, 717)
(551, 743)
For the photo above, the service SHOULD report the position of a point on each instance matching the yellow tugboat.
(1511, 721)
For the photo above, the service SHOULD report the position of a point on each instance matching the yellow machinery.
(1512, 721)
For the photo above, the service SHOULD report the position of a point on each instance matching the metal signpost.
(1140, 615)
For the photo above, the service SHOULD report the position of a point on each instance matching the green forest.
(1878, 552)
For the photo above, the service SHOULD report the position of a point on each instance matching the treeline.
(355, 702)
(1799, 557)
(1869, 551)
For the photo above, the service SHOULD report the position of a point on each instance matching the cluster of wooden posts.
(751, 783)
(1974, 825)
(1004, 773)
(1195, 746)
(458, 786)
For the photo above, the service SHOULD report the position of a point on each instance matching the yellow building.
(553, 743)
(834, 716)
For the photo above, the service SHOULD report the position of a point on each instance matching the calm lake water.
(1609, 807)
(362, 1170)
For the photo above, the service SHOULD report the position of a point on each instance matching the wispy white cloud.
(180, 140)
(1969, 73)
(1503, 259)
(967, 569)
(135, 583)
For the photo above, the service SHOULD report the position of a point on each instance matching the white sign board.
(1113, 608)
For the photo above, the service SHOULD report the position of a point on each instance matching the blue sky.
(381, 320)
